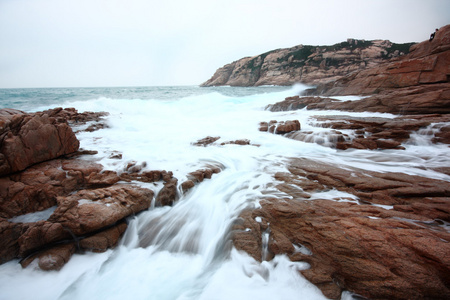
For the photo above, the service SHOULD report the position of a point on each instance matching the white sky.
(77, 43)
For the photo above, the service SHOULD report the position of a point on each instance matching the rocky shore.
(388, 238)
(83, 207)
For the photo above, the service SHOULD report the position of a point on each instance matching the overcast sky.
(78, 43)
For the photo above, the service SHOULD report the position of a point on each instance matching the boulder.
(280, 127)
(104, 240)
(37, 187)
(27, 139)
(52, 259)
(168, 194)
(90, 210)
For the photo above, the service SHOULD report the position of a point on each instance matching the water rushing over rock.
(216, 208)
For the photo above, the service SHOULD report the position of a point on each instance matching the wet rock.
(104, 240)
(374, 257)
(237, 142)
(37, 235)
(52, 259)
(9, 234)
(206, 141)
(187, 185)
(168, 194)
(102, 179)
(77, 119)
(372, 133)
(378, 253)
(37, 188)
(90, 210)
(280, 127)
(28, 139)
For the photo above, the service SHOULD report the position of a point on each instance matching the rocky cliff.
(307, 64)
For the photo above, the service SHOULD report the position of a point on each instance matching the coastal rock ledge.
(381, 235)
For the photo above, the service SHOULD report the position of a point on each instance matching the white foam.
(34, 217)
(184, 252)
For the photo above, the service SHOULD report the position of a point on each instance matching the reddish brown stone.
(91, 210)
(28, 139)
(168, 194)
(104, 240)
(52, 259)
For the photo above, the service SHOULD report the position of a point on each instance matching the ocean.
(190, 255)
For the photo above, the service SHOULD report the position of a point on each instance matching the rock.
(77, 119)
(52, 259)
(37, 188)
(425, 64)
(168, 194)
(371, 251)
(89, 210)
(281, 127)
(237, 142)
(187, 185)
(104, 240)
(206, 141)
(40, 234)
(377, 258)
(306, 64)
(103, 179)
(373, 133)
(28, 139)
(9, 234)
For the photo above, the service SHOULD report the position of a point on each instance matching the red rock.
(377, 258)
(52, 259)
(91, 210)
(104, 240)
(28, 139)
(9, 233)
(187, 185)
(168, 194)
(40, 234)
(37, 188)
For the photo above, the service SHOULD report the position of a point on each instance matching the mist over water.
(184, 251)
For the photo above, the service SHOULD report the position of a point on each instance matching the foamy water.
(184, 251)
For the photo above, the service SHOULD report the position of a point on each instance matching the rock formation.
(384, 235)
(378, 253)
(27, 139)
(39, 172)
(307, 64)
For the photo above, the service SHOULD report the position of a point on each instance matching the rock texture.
(378, 253)
(379, 235)
(27, 139)
(307, 64)
(427, 63)
(39, 171)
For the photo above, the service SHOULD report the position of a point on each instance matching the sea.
(187, 253)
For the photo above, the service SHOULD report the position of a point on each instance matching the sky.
(102, 43)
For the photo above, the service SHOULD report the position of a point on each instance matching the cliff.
(426, 65)
(307, 64)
